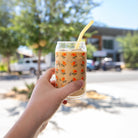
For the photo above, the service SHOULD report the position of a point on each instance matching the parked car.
(90, 65)
(28, 64)
(97, 65)
(109, 64)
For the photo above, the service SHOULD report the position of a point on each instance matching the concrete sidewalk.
(115, 117)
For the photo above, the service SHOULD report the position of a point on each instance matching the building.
(105, 41)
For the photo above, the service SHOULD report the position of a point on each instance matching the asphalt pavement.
(7, 82)
(114, 117)
(108, 76)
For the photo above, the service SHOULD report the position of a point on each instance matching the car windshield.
(89, 61)
(20, 61)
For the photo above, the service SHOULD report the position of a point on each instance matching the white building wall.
(48, 60)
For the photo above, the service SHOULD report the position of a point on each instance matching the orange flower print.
(56, 70)
(64, 55)
(56, 77)
(63, 79)
(63, 63)
(56, 62)
(74, 72)
(56, 53)
(82, 71)
(82, 63)
(83, 54)
(56, 85)
(74, 64)
(74, 79)
(74, 55)
(63, 71)
(82, 78)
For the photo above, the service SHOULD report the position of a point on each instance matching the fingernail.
(64, 102)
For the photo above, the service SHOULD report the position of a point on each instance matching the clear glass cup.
(70, 65)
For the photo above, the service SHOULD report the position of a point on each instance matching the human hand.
(43, 103)
(46, 99)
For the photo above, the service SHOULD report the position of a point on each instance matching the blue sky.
(117, 13)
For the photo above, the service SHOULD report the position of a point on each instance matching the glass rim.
(70, 42)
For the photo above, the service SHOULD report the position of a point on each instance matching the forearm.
(26, 126)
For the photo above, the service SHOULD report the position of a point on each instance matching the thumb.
(70, 88)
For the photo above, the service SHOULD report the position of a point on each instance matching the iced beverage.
(70, 65)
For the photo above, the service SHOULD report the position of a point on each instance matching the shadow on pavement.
(95, 101)
(109, 104)
(56, 126)
(16, 109)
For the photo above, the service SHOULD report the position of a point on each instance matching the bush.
(27, 91)
(129, 43)
(15, 89)
(30, 88)
(3, 68)
(90, 50)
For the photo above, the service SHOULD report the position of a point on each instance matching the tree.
(42, 23)
(8, 38)
(129, 43)
(8, 44)
(90, 50)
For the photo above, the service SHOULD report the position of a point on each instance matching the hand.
(46, 98)
(43, 103)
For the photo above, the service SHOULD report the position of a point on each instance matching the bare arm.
(43, 103)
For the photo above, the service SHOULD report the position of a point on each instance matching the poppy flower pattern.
(56, 54)
(56, 77)
(74, 72)
(56, 70)
(63, 79)
(57, 62)
(83, 54)
(63, 63)
(82, 63)
(70, 66)
(64, 55)
(74, 79)
(63, 71)
(82, 71)
(74, 55)
(82, 78)
(56, 84)
(74, 64)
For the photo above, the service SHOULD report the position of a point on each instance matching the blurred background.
(29, 31)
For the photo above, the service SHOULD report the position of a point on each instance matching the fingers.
(70, 88)
(48, 74)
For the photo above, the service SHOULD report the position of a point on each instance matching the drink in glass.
(70, 65)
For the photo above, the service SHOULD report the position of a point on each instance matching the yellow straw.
(82, 33)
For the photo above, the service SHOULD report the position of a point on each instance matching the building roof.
(106, 31)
